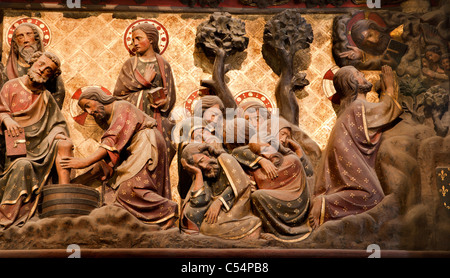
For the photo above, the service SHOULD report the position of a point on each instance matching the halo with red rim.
(43, 28)
(75, 111)
(163, 35)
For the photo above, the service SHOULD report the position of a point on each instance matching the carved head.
(348, 82)
(370, 37)
(93, 100)
(26, 40)
(433, 53)
(44, 66)
(144, 36)
(202, 156)
(445, 62)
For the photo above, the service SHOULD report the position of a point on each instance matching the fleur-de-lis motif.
(442, 174)
(443, 191)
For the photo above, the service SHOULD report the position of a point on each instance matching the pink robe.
(138, 152)
(346, 179)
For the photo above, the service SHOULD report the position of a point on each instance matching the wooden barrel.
(62, 200)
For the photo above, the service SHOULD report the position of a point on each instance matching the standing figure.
(346, 181)
(26, 41)
(26, 103)
(137, 152)
(142, 75)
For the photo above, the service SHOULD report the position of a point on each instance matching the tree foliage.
(221, 31)
(288, 31)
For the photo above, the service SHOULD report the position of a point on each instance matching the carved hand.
(73, 163)
(159, 103)
(149, 73)
(387, 80)
(269, 168)
(12, 127)
(213, 211)
(190, 168)
(353, 54)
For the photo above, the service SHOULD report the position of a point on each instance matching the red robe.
(138, 152)
(346, 179)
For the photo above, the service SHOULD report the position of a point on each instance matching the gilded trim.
(224, 203)
(111, 149)
(233, 186)
(247, 233)
(161, 220)
(256, 161)
(322, 212)
(366, 130)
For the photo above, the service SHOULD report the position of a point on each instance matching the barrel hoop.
(65, 211)
(71, 190)
(50, 203)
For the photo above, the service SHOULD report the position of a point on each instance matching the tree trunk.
(217, 83)
(285, 97)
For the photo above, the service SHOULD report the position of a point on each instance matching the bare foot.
(314, 214)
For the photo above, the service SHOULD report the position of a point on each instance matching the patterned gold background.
(92, 52)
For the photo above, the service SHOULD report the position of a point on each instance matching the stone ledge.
(238, 253)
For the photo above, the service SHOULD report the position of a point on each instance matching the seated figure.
(218, 202)
(26, 103)
(281, 202)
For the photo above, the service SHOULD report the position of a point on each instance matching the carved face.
(283, 135)
(95, 109)
(213, 115)
(375, 42)
(445, 63)
(42, 70)
(26, 42)
(432, 56)
(141, 42)
(208, 164)
(364, 86)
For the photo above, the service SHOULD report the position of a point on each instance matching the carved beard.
(100, 117)
(27, 51)
(212, 170)
(378, 48)
(36, 77)
(365, 87)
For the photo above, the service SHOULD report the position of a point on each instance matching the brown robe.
(283, 203)
(232, 187)
(132, 86)
(346, 181)
(23, 179)
(137, 151)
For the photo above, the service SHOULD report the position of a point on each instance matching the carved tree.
(219, 37)
(284, 35)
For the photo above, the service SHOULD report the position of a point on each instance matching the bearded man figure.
(25, 103)
(26, 41)
(346, 181)
(218, 203)
(136, 150)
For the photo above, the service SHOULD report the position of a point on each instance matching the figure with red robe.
(136, 151)
(142, 75)
(26, 104)
(346, 181)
